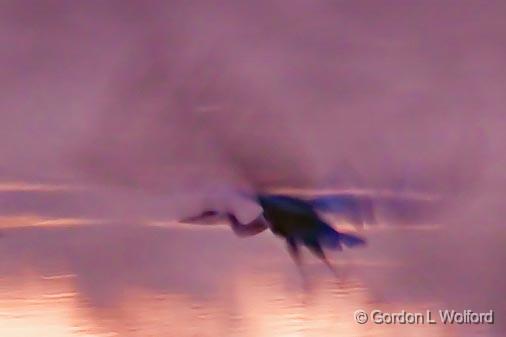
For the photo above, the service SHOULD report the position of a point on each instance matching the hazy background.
(129, 112)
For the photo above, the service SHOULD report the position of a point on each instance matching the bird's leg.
(317, 250)
(294, 251)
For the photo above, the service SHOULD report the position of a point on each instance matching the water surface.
(149, 281)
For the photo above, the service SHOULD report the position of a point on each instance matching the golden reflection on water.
(47, 307)
(143, 281)
(255, 305)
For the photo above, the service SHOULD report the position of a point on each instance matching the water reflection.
(151, 281)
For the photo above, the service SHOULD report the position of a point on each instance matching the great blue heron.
(297, 221)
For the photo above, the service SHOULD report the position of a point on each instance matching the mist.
(152, 110)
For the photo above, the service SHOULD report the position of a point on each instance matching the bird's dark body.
(295, 220)
(289, 217)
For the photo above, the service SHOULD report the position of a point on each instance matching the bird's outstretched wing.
(396, 208)
(356, 209)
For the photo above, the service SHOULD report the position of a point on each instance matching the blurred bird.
(297, 221)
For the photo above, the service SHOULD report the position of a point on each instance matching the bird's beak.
(206, 215)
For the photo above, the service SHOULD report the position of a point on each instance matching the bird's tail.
(333, 239)
(351, 240)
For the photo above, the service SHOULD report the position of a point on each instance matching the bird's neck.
(233, 219)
